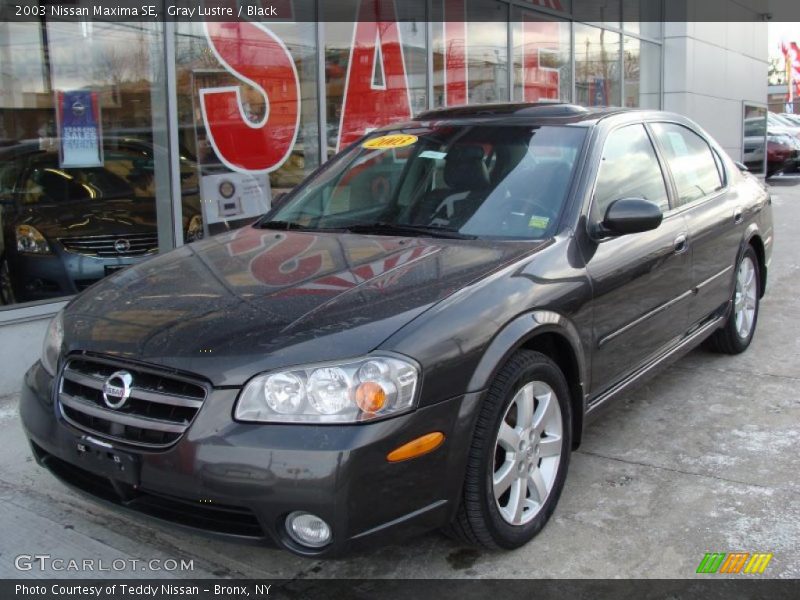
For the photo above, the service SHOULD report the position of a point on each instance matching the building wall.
(710, 69)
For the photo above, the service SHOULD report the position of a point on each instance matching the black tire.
(727, 339)
(479, 521)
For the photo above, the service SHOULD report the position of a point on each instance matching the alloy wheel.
(527, 453)
(745, 300)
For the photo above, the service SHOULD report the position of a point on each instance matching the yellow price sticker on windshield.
(390, 142)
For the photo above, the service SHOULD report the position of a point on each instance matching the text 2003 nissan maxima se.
(414, 338)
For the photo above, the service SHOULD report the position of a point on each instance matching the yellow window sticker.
(390, 142)
(537, 222)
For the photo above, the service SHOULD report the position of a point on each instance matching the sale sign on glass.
(79, 129)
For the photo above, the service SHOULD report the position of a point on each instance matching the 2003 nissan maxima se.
(414, 338)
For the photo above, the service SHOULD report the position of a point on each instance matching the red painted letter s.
(259, 59)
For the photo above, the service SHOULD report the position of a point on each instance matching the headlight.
(52, 343)
(342, 392)
(30, 241)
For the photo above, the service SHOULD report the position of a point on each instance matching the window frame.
(716, 156)
(666, 175)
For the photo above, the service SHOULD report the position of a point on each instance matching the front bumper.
(44, 277)
(242, 480)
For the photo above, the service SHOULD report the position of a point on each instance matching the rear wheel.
(519, 456)
(737, 333)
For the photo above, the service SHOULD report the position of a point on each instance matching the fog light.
(307, 529)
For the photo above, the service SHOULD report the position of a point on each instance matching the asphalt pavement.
(703, 458)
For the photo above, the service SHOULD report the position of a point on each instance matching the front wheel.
(519, 455)
(737, 333)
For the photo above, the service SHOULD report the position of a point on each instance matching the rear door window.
(691, 161)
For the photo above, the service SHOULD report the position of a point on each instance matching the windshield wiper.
(291, 226)
(383, 228)
(284, 225)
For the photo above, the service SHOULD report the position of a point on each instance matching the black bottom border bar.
(739, 587)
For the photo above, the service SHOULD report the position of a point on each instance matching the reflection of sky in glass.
(597, 54)
(80, 54)
(642, 68)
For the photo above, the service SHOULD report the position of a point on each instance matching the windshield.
(484, 181)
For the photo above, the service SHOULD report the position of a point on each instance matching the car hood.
(254, 299)
(96, 217)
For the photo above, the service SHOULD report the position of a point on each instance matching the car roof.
(529, 113)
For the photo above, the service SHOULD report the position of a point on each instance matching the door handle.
(681, 244)
(738, 216)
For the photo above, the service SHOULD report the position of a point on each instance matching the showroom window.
(469, 52)
(642, 70)
(597, 66)
(487, 56)
(606, 12)
(643, 17)
(375, 68)
(242, 156)
(650, 29)
(82, 175)
(86, 121)
(449, 53)
(542, 65)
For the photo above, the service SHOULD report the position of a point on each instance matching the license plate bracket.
(107, 461)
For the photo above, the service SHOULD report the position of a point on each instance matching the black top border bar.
(347, 11)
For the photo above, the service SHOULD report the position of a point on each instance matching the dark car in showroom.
(414, 338)
(64, 229)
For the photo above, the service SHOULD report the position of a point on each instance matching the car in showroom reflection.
(64, 229)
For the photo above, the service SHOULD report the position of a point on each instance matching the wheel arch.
(553, 335)
(753, 238)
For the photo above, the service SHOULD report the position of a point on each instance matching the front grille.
(114, 245)
(215, 518)
(159, 410)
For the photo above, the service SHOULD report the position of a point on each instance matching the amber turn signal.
(422, 445)
(370, 397)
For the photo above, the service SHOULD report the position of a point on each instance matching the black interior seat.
(467, 179)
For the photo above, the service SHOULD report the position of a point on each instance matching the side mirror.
(743, 168)
(631, 215)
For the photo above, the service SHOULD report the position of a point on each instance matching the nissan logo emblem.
(117, 389)
(122, 246)
(78, 108)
